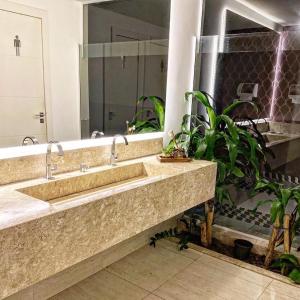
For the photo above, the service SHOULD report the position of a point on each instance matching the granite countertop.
(18, 208)
(42, 238)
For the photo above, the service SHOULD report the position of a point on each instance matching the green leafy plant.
(239, 151)
(289, 266)
(172, 232)
(155, 122)
(281, 197)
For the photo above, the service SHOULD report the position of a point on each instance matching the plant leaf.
(295, 275)
(203, 99)
(236, 104)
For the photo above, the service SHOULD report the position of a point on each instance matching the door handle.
(40, 116)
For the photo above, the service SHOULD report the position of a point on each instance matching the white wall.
(65, 35)
(184, 29)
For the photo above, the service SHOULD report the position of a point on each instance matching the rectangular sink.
(110, 177)
(275, 137)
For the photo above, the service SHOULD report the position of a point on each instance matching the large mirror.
(122, 62)
(126, 56)
(246, 54)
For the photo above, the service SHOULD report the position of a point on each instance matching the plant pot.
(242, 249)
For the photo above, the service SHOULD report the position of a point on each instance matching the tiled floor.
(166, 273)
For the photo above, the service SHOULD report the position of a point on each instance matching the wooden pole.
(272, 243)
(209, 209)
(287, 239)
(203, 234)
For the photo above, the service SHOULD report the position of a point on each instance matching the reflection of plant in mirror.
(239, 151)
(156, 120)
(289, 266)
(280, 217)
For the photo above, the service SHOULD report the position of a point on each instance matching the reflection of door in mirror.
(122, 82)
(129, 77)
(22, 103)
(127, 58)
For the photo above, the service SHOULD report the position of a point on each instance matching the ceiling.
(156, 12)
(286, 11)
(235, 22)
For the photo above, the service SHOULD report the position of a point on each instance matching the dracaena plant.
(154, 123)
(282, 198)
(239, 151)
(289, 266)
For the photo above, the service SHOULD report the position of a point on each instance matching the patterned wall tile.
(255, 58)
(247, 59)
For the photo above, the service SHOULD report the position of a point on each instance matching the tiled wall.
(250, 58)
(256, 58)
(288, 73)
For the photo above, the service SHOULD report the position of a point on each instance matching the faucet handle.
(84, 167)
(54, 167)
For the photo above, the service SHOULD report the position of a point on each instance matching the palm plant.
(282, 197)
(238, 151)
(156, 121)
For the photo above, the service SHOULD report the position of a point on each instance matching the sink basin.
(275, 137)
(79, 215)
(108, 178)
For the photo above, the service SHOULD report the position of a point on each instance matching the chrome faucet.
(96, 133)
(49, 166)
(113, 154)
(29, 139)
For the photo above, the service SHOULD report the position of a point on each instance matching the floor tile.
(150, 267)
(279, 290)
(152, 297)
(233, 223)
(173, 276)
(190, 253)
(269, 295)
(176, 289)
(102, 286)
(214, 265)
(210, 278)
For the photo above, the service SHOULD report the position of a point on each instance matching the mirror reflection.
(243, 57)
(125, 59)
(123, 70)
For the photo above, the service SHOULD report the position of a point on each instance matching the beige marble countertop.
(17, 208)
(39, 239)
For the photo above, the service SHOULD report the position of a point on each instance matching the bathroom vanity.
(49, 226)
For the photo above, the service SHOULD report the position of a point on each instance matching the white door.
(22, 100)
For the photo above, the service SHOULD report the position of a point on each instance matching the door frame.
(43, 16)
